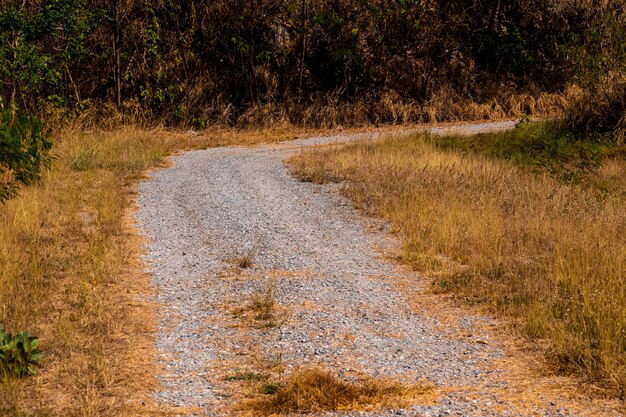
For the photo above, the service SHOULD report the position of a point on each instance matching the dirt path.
(319, 290)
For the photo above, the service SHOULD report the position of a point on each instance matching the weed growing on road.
(246, 260)
(261, 311)
(263, 303)
(316, 390)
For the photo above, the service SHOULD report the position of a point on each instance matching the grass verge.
(69, 273)
(529, 223)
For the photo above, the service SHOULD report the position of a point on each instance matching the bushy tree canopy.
(189, 60)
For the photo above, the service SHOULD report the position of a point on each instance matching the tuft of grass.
(246, 258)
(488, 219)
(245, 261)
(263, 303)
(261, 311)
(314, 390)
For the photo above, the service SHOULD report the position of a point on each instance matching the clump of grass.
(488, 222)
(315, 390)
(247, 257)
(263, 303)
(245, 261)
(261, 309)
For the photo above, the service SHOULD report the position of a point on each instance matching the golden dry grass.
(261, 311)
(550, 253)
(315, 390)
(263, 301)
(389, 107)
(69, 273)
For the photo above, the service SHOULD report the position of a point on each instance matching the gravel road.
(338, 302)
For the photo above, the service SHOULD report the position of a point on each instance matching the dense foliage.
(19, 354)
(23, 150)
(196, 61)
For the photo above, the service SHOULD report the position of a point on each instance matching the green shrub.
(19, 354)
(24, 149)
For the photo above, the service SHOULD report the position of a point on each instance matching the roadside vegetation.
(530, 224)
(261, 311)
(555, 194)
(305, 62)
(68, 272)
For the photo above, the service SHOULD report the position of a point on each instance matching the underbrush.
(68, 272)
(528, 223)
(601, 108)
(325, 111)
(389, 108)
(23, 151)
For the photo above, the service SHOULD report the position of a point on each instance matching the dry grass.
(69, 273)
(388, 107)
(246, 258)
(601, 108)
(315, 390)
(246, 261)
(550, 253)
(261, 311)
(263, 301)
(243, 261)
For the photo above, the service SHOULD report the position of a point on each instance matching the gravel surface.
(337, 301)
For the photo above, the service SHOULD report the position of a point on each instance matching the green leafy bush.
(24, 148)
(19, 354)
(41, 43)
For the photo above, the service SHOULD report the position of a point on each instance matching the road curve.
(338, 297)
